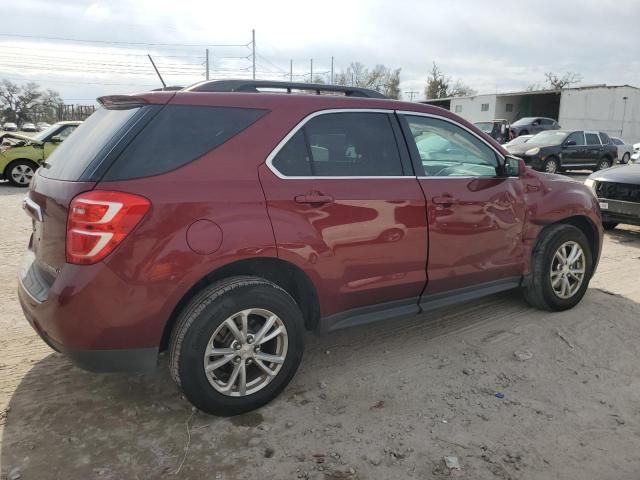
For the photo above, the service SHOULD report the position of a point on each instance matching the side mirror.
(514, 166)
(56, 139)
(570, 143)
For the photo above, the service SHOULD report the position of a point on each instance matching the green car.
(21, 155)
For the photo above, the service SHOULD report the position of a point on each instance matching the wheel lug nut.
(236, 360)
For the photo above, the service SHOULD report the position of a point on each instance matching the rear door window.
(592, 139)
(75, 154)
(350, 144)
(604, 138)
(178, 135)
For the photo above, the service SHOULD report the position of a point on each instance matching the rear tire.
(20, 172)
(540, 292)
(195, 337)
(609, 225)
(602, 164)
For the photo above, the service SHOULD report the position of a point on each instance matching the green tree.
(439, 86)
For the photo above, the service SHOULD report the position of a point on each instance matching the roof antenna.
(164, 85)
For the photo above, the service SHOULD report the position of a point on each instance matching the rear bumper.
(77, 316)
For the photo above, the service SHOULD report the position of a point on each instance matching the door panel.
(368, 245)
(475, 216)
(477, 237)
(574, 154)
(594, 149)
(340, 212)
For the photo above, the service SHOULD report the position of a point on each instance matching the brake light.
(98, 221)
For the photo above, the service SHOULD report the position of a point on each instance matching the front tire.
(561, 269)
(551, 165)
(236, 345)
(626, 157)
(20, 172)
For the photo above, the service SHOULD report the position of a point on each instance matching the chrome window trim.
(303, 122)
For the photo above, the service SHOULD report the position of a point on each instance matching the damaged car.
(21, 155)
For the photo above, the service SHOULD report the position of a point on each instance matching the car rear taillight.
(98, 221)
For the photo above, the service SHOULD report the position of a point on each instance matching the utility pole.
(253, 49)
(411, 93)
(352, 84)
(311, 77)
(207, 64)
(291, 70)
(624, 113)
(331, 70)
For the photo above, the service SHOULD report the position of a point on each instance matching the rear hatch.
(75, 167)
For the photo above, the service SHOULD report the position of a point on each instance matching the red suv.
(221, 222)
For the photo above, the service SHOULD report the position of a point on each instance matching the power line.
(112, 42)
(92, 51)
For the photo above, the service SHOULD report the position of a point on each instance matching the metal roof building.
(611, 109)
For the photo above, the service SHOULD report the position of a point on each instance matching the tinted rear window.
(73, 156)
(178, 135)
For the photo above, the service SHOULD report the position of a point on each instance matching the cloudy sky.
(491, 46)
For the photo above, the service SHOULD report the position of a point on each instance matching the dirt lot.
(388, 401)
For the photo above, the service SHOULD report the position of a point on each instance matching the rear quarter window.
(178, 135)
(73, 156)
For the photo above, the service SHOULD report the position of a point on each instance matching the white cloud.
(504, 46)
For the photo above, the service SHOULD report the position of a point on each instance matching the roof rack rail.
(252, 86)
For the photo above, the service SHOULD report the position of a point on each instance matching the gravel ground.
(386, 401)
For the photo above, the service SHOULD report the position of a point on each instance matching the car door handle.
(314, 198)
(445, 200)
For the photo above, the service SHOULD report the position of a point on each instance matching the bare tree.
(380, 78)
(460, 89)
(20, 103)
(558, 83)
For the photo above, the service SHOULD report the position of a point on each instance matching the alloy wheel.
(568, 270)
(22, 174)
(603, 164)
(551, 166)
(246, 352)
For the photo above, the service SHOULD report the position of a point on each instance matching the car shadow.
(66, 423)
(7, 189)
(623, 233)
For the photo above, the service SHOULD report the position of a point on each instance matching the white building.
(611, 109)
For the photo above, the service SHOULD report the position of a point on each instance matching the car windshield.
(485, 126)
(549, 137)
(43, 134)
(523, 121)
